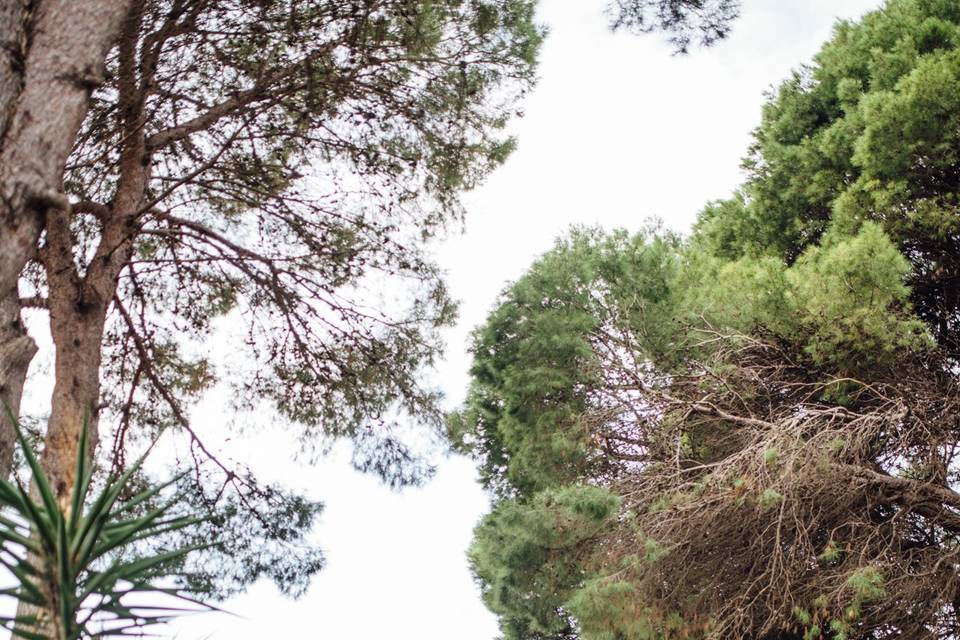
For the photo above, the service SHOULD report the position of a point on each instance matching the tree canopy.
(266, 163)
(750, 431)
(865, 132)
(166, 165)
(704, 22)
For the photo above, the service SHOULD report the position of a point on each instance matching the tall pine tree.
(749, 432)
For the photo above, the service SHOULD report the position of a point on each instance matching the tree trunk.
(16, 351)
(77, 331)
(53, 59)
(54, 53)
(79, 304)
(16, 348)
(77, 319)
(13, 15)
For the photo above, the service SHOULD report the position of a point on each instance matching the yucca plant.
(71, 566)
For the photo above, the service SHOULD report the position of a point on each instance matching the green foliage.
(542, 359)
(866, 584)
(841, 629)
(744, 295)
(852, 293)
(609, 608)
(534, 363)
(831, 552)
(327, 142)
(69, 558)
(769, 499)
(770, 457)
(834, 265)
(600, 607)
(843, 301)
(869, 131)
(525, 556)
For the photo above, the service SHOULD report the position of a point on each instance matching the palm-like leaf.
(68, 565)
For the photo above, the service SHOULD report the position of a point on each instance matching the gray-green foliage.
(292, 158)
(260, 534)
(703, 22)
(356, 127)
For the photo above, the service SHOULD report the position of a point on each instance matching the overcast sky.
(618, 130)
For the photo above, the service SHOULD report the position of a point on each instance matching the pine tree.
(169, 163)
(770, 403)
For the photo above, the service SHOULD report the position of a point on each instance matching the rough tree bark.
(12, 38)
(16, 348)
(79, 302)
(53, 57)
(54, 53)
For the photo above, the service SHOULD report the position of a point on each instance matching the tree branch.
(34, 302)
(99, 211)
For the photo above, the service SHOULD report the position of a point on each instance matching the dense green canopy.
(869, 131)
(750, 432)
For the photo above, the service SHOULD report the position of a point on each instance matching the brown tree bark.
(16, 348)
(78, 297)
(79, 303)
(53, 57)
(13, 18)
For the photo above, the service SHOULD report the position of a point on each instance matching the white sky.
(618, 130)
